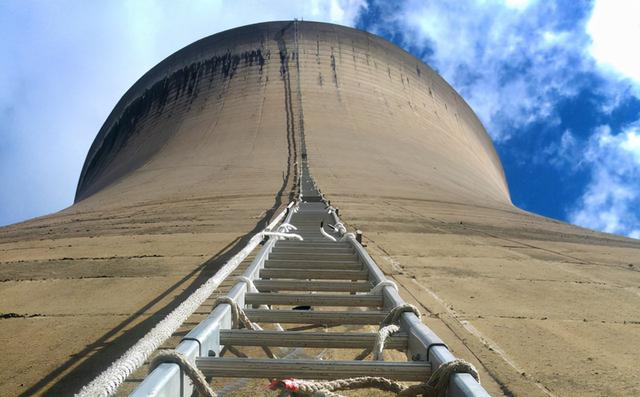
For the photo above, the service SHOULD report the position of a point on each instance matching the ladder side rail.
(424, 344)
(168, 380)
(422, 339)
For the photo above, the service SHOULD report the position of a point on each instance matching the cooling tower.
(202, 151)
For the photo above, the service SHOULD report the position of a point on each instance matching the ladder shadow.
(102, 352)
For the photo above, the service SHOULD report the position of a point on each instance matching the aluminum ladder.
(308, 286)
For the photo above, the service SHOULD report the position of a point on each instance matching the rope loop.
(439, 379)
(251, 287)
(339, 227)
(381, 338)
(196, 376)
(394, 315)
(385, 283)
(286, 227)
(235, 310)
(304, 388)
(438, 383)
(325, 234)
(388, 327)
(239, 317)
(346, 236)
(436, 386)
(284, 236)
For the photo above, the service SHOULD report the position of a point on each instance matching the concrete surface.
(201, 151)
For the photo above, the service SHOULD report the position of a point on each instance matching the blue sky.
(557, 85)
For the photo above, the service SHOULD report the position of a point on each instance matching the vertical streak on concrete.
(303, 145)
(289, 112)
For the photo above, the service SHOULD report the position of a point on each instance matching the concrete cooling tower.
(206, 148)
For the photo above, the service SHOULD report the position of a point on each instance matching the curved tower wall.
(239, 101)
(201, 152)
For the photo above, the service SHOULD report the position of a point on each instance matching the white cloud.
(518, 4)
(564, 153)
(631, 144)
(65, 64)
(611, 200)
(615, 28)
(343, 12)
(515, 62)
(512, 61)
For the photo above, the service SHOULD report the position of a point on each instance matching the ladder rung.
(293, 264)
(320, 286)
(337, 340)
(314, 238)
(306, 256)
(318, 262)
(313, 299)
(324, 252)
(328, 248)
(325, 243)
(323, 274)
(315, 317)
(312, 369)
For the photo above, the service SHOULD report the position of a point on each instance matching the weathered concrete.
(201, 151)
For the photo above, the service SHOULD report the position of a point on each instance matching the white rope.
(286, 227)
(197, 377)
(346, 236)
(436, 386)
(110, 379)
(285, 236)
(327, 235)
(381, 338)
(239, 317)
(251, 287)
(293, 353)
(388, 327)
(340, 227)
(380, 286)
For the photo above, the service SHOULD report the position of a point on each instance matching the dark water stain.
(333, 68)
(181, 83)
(285, 75)
(355, 59)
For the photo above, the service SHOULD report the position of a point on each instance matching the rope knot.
(235, 310)
(394, 315)
(239, 317)
(288, 384)
(439, 380)
(197, 378)
(388, 327)
(377, 289)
